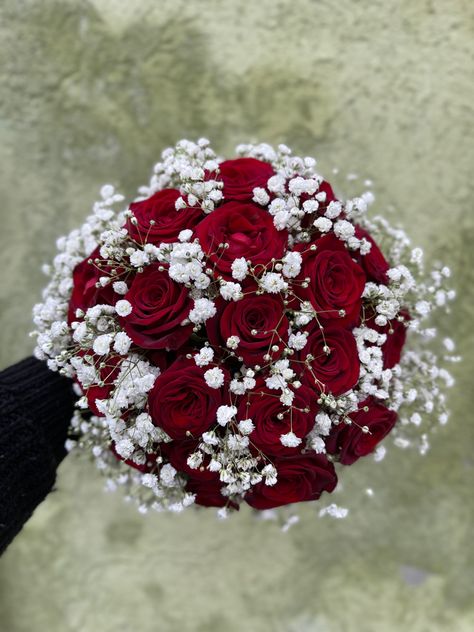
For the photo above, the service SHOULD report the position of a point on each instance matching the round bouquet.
(237, 333)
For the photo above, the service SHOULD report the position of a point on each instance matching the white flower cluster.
(115, 376)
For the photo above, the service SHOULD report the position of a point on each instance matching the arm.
(36, 406)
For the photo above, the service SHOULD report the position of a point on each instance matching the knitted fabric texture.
(36, 406)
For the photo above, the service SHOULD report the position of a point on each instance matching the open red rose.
(167, 221)
(159, 307)
(178, 452)
(263, 406)
(182, 403)
(336, 282)
(241, 176)
(259, 322)
(301, 478)
(336, 370)
(249, 232)
(350, 442)
(85, 293)
(373, 263)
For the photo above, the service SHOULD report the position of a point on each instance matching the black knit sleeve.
(36, 406)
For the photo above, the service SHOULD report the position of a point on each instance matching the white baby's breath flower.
(185, 235)
(240, 268)
(167, 475)
(230, 291)
(273, 283)
(318, 445)
(204, 357)
(333, 210)
(139, 258)
(343, 229)
(260, 196)
(214, 377)
(122, 343)
(120, 287)
(323, 224)
(276, 184)
(225, 414)
(203, 310)
(290, 440)
(246, 426)
(102, 344)
(270, 474)
(292, 264)
(123, 307)
(298, 341)
(232, 342)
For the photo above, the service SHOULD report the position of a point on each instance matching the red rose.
(350, 442)
(241, 176)
(259, 322)
(337, 370)
(249, 232)
(208, 493)
(168, 222)
(178, 453)
(264, 407)
(373, 263)
(85, 293)
(336, 282)
(181, 402)
(159, 307)
(300, 478)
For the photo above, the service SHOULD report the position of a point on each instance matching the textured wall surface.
(90, 92)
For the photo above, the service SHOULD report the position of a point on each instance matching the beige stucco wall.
(90, 92)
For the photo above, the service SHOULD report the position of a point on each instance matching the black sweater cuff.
(36, 406)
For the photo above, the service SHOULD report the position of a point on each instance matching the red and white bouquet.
(238, 332)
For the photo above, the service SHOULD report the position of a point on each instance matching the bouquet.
(237, 334)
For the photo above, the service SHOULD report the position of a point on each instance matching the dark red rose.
(208, 493)
(263, 406)
(159, 307)
(300, 478)
(350, 442)
(181, 402)
(168, 222)
(85, 293)
(336, 370)
(258, 320)
(178, 453)
(241, 176)
(249, 232)
(373, 263)
(336, 282)
(108, 374)
(148, 466)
